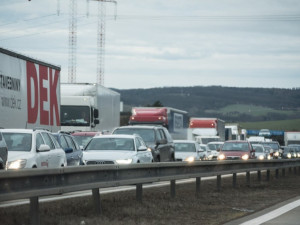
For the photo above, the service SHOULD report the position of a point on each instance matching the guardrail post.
(295, 170)
(259, 176)
(173, 188)
(198, 184)
(234, 180)
(283, 172)
(139, 192)
(277, 173)
(248, 178)
(268, 175)
(96, 199)
(218, 182)
(34, 211)
(290, 169)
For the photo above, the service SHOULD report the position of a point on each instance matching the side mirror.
(68, 150)
(142, 148)
(161, 142)
(96, 113)
(96, 121)
(43, 148)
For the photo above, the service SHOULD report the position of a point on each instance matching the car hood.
(15, 155)
(107, 155)
(184, 155)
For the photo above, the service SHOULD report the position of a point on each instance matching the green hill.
(228, 103)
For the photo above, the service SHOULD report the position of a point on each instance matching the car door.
(163, 147)
(54, 156)
(142, 155)
(41, 158)
(75, 155)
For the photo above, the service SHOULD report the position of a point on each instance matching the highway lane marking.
(273, 214)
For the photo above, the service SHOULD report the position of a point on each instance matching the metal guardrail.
(33, 183)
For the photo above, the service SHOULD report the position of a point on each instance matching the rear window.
(147, 135)
(235, 146)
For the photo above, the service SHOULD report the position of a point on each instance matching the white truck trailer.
(29, 92)
(89, 107)
(291, 137)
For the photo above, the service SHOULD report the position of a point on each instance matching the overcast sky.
(237, 43)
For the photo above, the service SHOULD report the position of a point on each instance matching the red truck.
(206, 130)
(175, 120)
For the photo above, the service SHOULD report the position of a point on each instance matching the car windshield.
(258, 149)
(274, 146)
(125, 144)
(235, 146)
(18, 141)
(148, 135)
(75, 115)
(82, 140)
(185, 147)
(213, 146)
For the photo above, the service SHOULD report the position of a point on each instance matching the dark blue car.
(71, 148)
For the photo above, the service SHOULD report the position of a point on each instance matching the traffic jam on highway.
(48, 124)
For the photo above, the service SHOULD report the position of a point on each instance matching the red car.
(232, 150)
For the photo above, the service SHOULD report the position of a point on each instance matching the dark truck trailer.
(175, 120)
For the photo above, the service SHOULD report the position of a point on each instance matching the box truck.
(29, 92)
(175, 120)
(291, 137)
(89, 107)
(205, 130)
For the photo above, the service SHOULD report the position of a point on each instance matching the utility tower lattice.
(101, 39)
(72, 41)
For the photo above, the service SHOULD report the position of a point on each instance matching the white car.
(116, 149)
(205, 153)
(215, 147)
(186, 150)
(29, 148)
(260, 152)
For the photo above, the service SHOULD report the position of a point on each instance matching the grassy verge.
(286, 125)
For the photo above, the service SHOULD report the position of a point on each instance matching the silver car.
(116, 149)
(186, 150)
(260, 152)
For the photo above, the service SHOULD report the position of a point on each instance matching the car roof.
(216, 142)
(116, 136)
(236, 141)
(184, 141)
(17, 130)
(140, 126)
(86, 133)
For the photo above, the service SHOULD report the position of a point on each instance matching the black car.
(3, 152)
(157, 138)
(71, 148)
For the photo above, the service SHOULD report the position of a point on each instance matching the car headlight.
(261, 157)
(276, 154)
(289, 155)
(269, 157)
(124, 161)
(190, 159)
(298, 154)
(149, 150)
(245, 157)
(18, 164)
(221, 157)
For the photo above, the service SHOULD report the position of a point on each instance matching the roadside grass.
(253, 110)
(210, 207)
(286, 125)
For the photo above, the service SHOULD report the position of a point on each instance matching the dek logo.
(42, 98)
